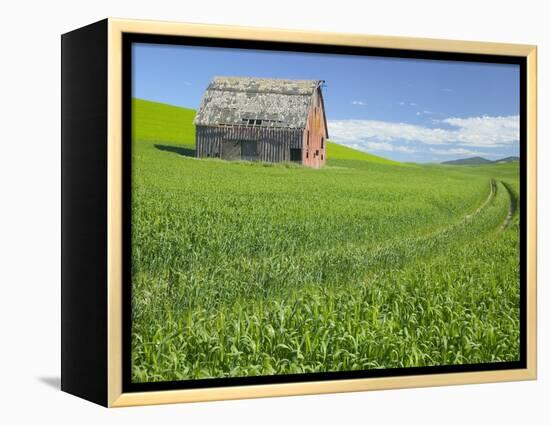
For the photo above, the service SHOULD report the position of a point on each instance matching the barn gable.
(265, 102)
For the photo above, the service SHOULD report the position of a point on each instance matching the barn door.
(296, 155)
(231, 150)
(249, 150)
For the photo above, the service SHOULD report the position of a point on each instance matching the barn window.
(316, 152)
(258, 122)
(321, 156)
(307, 154)
(307, 139)
(322, 142)
(251, 121)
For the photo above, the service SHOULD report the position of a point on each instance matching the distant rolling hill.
(155, 121)
(479, 160)
(507, 160)
(468, 161)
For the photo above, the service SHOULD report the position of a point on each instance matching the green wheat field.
(246, 269)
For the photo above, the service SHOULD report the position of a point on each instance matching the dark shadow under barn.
(186, 152)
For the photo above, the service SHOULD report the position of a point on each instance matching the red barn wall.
(314, 151)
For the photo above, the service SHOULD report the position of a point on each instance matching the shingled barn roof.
(256, 101)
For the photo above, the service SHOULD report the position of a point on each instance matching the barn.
(262, 119)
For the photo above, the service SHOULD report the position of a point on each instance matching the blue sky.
(404, 109)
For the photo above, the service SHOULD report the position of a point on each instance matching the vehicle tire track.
(397, 253)
(386, 253)
(513, 206)
(492, 194)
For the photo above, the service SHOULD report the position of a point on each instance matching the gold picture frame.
(111, 33)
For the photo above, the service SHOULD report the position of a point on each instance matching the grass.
(154, 121)
(244, 269)
(341, 152)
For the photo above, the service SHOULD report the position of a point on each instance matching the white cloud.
(384, 146)
(361, 103)
(482, 131)
(486, 131)
(413, 104)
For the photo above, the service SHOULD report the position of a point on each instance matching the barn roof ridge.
(274, 92)
(217, 78)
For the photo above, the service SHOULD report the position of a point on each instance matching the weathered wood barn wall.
(259, 119)
(274, 144)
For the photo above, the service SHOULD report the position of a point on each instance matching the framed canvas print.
(254, 212)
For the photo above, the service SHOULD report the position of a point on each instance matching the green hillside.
(341, 152)
(162, 122)
(246, 269)
(158, 121)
